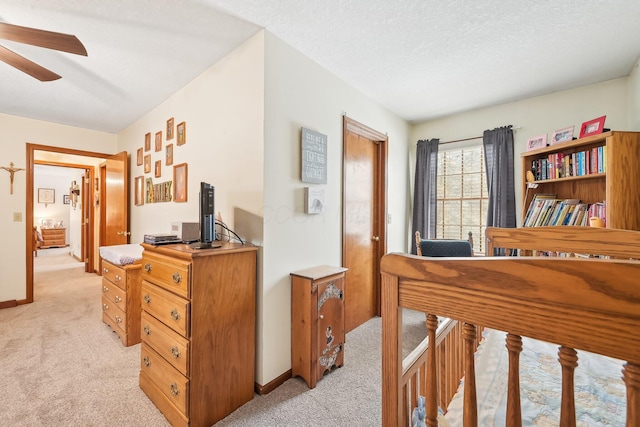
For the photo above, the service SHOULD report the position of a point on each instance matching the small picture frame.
(139, 190)
(562, 135)
(592, 127)
(65, 199)
(180, 182)
(158, 146)
(139, 157)
(170, 129)
(169, 155)
(537, 142)
(158, 169)
(46, 195)
(181, 130)
(147, 141)
(147, 163)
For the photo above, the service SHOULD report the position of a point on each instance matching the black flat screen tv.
(207, 218)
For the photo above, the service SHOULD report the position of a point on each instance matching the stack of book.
(547, 210)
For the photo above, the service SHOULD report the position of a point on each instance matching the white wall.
(16, 132)
(533, 117)
(634, 98)
(223, 111)
(300, 93)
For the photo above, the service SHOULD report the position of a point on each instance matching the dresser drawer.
(116, 295)
(169, 344)
(168, 308)
(169, 273)
(114, 274)
(114, 328)
(116, 315)
(172, 383)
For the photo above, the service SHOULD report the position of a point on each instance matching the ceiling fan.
(40, 38)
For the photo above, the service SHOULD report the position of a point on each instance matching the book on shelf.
(564, 165)
(548, 210)
(535, 207)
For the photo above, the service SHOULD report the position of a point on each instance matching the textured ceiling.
(420, 58)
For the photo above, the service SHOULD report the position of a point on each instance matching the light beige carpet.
(60, 365)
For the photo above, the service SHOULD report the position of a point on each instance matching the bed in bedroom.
(565, 296)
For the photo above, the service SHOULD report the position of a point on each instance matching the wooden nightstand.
(317, 321)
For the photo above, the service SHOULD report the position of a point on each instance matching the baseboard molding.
(77, 258)
(8, 304)
(272, 385)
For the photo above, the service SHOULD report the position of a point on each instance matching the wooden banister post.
(514, 412)
(470, 411)
(568, 358)
(631, 377)
(431, 403)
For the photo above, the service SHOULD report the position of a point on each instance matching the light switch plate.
(17, 217)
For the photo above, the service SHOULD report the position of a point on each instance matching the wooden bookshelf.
(618, 185)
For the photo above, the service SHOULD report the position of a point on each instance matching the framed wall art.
(158, 169)
(46, 195)
(147, 163)
(169, 155)
(170, 128)
(181, 130)
(147, 141)
(536, 142)
(592, 127)
(65, 199)
(139, 190)
(562, 135)
(158, 146)
(314, 157)
(139, 157)
(180, 182)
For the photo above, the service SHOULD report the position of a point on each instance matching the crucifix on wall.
(11, 171)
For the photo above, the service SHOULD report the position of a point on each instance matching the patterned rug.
(600, 394)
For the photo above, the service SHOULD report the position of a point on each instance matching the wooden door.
(114, 201)
(364, 227)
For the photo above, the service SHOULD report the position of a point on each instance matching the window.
(462, 199)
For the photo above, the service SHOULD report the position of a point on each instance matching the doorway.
(59, 157)
(364, 208)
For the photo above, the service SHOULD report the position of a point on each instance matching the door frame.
(380, 181)
(31, 149)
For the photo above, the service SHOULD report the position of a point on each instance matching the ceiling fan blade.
(29, 67)
(42, 38)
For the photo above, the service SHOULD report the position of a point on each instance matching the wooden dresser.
(198, 330)
(121, 300)
(317, 322)
(53, 238)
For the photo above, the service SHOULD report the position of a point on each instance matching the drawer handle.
(147, 267)
(147, 330)
(105, 288)
(174, 389)
(175, 315)
(105, 307)
(147, 298)
(175, 352)
(118, 299)
(118, 319)
(118, 278)
(146, 361)
(105, 270)
(177, 278)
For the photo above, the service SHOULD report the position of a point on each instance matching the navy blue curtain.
(498, 152)
(425, 189)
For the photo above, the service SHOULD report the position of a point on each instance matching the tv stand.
(201, 245)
